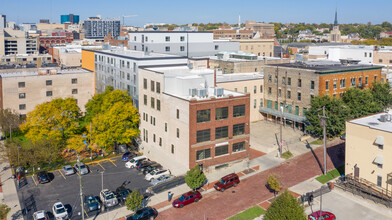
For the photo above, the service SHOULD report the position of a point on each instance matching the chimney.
(215, 77)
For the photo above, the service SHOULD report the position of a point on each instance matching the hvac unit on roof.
(218, 91)
(202, 92)
(192, 92)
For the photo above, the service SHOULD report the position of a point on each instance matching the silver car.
(68, 170)
(81, 168)
(161, 179)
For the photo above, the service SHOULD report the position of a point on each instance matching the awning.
(286, 115)
(379, 140)
(379, 160)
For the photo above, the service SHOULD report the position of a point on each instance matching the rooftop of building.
(135, 55)
(235, 77)
(375, 121)
(323, 66)
(158, 31)
(41, 72)
(26, 66)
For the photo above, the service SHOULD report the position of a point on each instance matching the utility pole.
(323, 121)
(281, 131)
(102, 179)
(81, 191)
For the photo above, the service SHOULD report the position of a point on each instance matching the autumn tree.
(58, 119)
(9, 120)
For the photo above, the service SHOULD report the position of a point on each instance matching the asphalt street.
(34, 196)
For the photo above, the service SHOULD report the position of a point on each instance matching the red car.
(186, 199)
(321, 216)
(227, 181)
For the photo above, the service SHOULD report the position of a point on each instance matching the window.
(366, 80)
(379, 181)
(254, 103)
(254, 89)
(145, 99)
(49, 93)
(221, 113)
(296, 110)
(216, 47)
(172, 149)
(203, 135)
(221, 132)
(312, 84)
(239, 110)
(390, 61)
(238, 129)
(158, 87)
(152, 86)
(22, 95)
(22, 106)
(221, 150)
(178, 133)
(167, 38)
(335, 84)
(74, 91)
(48, 82)
(235, 89)
(182, 48)
(276, 105)
(283, 80)
(261, 102)
(289, 94)
(327, 85)
(165, 126)
(152, 102)
(203, 115)
(269, 104)
(343, 83)
(158, 104)
(370, 54)
(261, 88)
(167, 49)
(245, 89)
(279, 92)
(74, 81)
(298, 96)
(299, 83)
(375, 78)
(365, 54)
(353, 83)
(145, 83)
(182, 38)
(160, 142)
(304, 111)
(269, 90)
(288, 81)
(379, 166)
(269, 78)
(239, 147)
(178, 114)
(380, 60)
(276, 79)
(21, 84)
(153, 138)
(203, 154)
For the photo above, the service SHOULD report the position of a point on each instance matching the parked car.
(186, 199)
(108, 198)
(144, 213)
(91, 203)
(323, 215)
(40, 215)
(122, 193)
(128, 155)
(150, 168)
(144, 164)
(83, 168)
(132, 162)
(227, 182)
(156, 174)
(161, 179)
(68, 170)
(43, 177)
(59, 211)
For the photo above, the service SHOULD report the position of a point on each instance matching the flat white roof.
(233, 77)
(136, 54)
(374, 122)
(30, 72)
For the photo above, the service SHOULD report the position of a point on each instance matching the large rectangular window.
(327, 85)
(203, 154)
(74, 81)
(221, 150)
(238, 129)
(221, 113)
(145, 83)
(48, 82)
(203, 135)
(312, 84)
(21, 84)
(22, 95)
(158, 104)
(152, 102)
(343, 83)
(203, 115)
(152, 86)
(239, 147)
(221, 132)
(158, 87)
(145, 99)
(239, 110)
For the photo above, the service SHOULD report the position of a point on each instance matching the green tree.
(274, 183)
(195, 178)
(360, 102)
(285, 206)
(9, 120)
(58, 119)
(382, 94)
(134, 201)
(4, 210)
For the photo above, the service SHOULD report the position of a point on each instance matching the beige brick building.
(23, 89)
(369, 149)
(258, 47)
(265, 30)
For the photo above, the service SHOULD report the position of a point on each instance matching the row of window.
(48, 93)
(220, 132)
(380, 61)
(254, 89)
(353, 82)
(158, 102)
(48, 83)
(221, 150)
(220, 113)
(112, 61)
(287, 108)
(154, 139)
(154, 86)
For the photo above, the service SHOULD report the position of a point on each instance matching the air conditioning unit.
(383, 118)
(202, 92)
(218, 91)
(192, 92)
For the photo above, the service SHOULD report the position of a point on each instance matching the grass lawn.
(317, 142)
(250, 213)
(286, 155)
(331, 175)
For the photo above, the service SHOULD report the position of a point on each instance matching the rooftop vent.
(202, 92)
(383, 118)
(218, 91)
(192, 92)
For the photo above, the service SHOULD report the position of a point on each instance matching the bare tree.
(9, 120)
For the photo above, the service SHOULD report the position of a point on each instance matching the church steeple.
(336, 18)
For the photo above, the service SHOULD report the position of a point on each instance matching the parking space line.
(85, 212)
(113, 163)
(35, 182)
(101, 166)
(62, 174)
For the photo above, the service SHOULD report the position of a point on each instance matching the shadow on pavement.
(315, 156)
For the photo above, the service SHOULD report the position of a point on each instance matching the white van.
(132, 162)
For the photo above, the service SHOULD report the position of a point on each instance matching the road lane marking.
(62, 174)
(101, 166)
(113, 163)
(32, 177)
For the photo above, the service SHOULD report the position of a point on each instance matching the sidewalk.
(8, 192)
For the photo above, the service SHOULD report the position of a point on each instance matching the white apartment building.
(182, 43)
(335, 53)
(118, 67)
(23, 89)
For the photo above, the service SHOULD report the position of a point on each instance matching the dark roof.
(326, 68)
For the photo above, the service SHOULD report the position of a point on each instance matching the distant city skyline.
(202, 11)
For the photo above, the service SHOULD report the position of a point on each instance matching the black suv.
(144, 213)
(144, 164)
(122, 193)
(151, 168)
(43, 177)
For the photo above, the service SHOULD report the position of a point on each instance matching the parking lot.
(34, 196)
